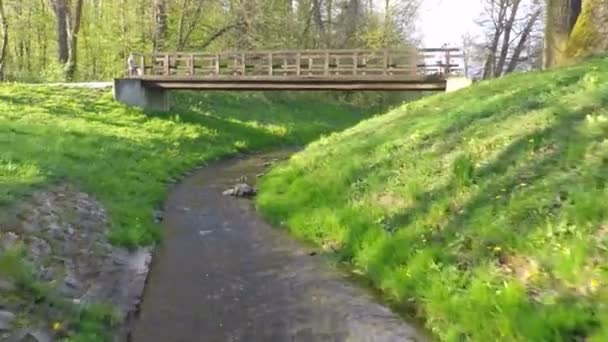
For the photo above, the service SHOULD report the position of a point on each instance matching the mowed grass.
(484, 211)
(124, 156)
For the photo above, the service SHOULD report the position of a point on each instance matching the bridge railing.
(386, 63)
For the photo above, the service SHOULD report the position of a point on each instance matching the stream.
(223, 274)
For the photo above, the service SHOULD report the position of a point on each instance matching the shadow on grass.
(124, 156)
(459, 241)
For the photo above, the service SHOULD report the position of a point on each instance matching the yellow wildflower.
(594, 284)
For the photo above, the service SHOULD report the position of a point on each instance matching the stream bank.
(223, 274)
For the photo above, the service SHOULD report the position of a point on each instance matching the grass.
(124, 156)
(44, 307)
(484, 211)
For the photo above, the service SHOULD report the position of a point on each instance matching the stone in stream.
(241, 190)
(158, 216)
(6, 318)
(33, 335)
(7, 285)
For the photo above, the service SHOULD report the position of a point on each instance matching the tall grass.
(484, 210)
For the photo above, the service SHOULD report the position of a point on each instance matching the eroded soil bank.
(223, 274)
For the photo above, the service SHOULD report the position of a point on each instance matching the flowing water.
(223, 274)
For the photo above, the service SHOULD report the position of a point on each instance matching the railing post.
(243, 64)
(143, 65)
(446, 71)
(298, 58)
(355, 62)
(309, 66)
(270, 64)
(167, 70)
(217, 64)
(385, 66)
(191, 62)
(326, 64)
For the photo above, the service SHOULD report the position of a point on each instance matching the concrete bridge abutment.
(133, 92)
(456, 83)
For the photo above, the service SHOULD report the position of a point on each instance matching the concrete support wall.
(456, 83)
(133, 93)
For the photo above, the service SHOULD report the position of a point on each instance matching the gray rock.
(7, 285)
(158, 216)
(8, 240)
(70, 287)
(38, 248)
(241, 190)
(228, 192)
(6, 318)
(33, 335)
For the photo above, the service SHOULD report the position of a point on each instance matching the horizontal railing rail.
(339, 64)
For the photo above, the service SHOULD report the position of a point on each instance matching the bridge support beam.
(457, 83)
(133, 93)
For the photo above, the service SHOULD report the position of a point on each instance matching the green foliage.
(12, 266)
(463, 170)
(124, 156)
(111, 29)
(94, 323)
(486, 209)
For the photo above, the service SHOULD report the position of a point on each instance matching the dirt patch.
(63, 233)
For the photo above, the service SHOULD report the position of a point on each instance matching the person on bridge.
(132, 66)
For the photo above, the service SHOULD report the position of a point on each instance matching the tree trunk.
(4, 45)
(60, 9)
(506, 40)
(589, 34)
(522, 41)
(562, 16)
(73, 21)
(67, 27)
(160, 24)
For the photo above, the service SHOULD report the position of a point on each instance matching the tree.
(574, 28)
(509, 41)
(91, 39)
(67, 19)
(4, 44)
(160, 24)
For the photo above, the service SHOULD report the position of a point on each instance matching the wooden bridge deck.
(424, 69)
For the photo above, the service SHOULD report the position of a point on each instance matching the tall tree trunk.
(60, 9)
(67, 26)
(590, 33)
(506, 40)
(318, 19)
(525, 35)
(160, 24)
(73, 21)
(562, 15)
(490, 63)
(4, 44)
(387, 22)
(329, 26)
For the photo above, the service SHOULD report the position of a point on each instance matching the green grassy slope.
(486, 210)
(124, 156)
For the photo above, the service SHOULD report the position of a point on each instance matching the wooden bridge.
(387, 69)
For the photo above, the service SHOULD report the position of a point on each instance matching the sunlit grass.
(124, 156)
(485, 211)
